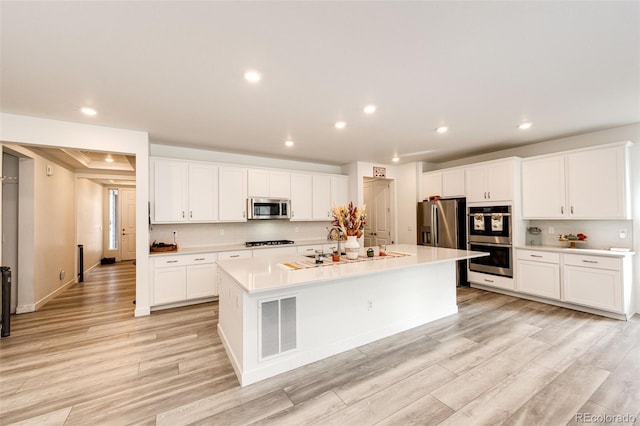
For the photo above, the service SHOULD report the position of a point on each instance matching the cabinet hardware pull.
(235, 255)
(589, 261)
(562, 209)
(489, 281)
(535, 255)
(191, 214)
(199, 258)
(243, 214)
(485, 195)
(183, 214)
(571, 209)
(489, 194)
(172, 261)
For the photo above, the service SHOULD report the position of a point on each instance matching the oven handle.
(479, 243)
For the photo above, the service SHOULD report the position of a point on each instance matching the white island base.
(268, 329)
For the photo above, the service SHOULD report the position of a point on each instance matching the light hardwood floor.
(84, 359)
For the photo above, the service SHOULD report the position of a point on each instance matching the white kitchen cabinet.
(339, 190)
(543, 188)
(430, 185)
(170, 189)
(585, 184)
(268, 183)
(321, 197)
(301, 196)
(593, 281)
(445, 183)
(453, 184)
(490, 182)
(203, 193)
(538, 273)
(233, 194)
(184, 192)
(496, 281)
(180, 278)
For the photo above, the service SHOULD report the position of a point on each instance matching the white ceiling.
(175, 69)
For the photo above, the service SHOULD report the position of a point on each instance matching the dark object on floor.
(108, 260)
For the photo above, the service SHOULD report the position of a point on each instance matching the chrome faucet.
(339, 237)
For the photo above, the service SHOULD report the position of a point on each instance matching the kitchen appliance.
(268, 208)
(441, 223)
(490, 231)
(268, 243)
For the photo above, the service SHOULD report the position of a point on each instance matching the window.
(113, 219)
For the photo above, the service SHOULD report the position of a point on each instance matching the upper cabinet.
(444, 183)
(490, 182)
(584, 184)
(233, 194)
(339, 190)
(184, 192)
(313, 195)
(268, 183)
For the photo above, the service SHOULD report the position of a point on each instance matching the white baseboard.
(40, 303)
(24, 309)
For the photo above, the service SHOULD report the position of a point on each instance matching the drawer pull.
(535, 255)
(489, 281)
(172, 261)
(235, 255)
(589, 261)
(199, 258)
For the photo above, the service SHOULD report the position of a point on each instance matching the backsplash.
(602, 234)
(208, 234)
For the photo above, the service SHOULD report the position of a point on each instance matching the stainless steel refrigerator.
(442, 223)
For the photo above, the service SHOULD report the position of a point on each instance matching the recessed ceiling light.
(340, 124)
(288, 142)
(89, 111)
(109, 159)
(395, 159)
(524, 126)
(370, 109)
(442, 129)
(252, 76)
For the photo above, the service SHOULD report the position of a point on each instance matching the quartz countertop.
(595, 252)
(268, 273)
(237, 246)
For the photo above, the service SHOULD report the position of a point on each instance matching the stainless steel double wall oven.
(490, 231)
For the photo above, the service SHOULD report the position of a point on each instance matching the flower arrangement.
(350, 219)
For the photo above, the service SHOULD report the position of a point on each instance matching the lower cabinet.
(538, 273)
(594, 281)
(179, 278)
(505, 283)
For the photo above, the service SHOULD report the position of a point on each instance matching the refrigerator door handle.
(434, 224)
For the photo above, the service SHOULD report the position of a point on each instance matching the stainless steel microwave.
(268, 208)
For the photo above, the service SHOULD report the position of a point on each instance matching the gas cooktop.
(268, 243)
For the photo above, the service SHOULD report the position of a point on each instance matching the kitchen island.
(275, 317)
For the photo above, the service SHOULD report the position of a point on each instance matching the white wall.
(407, 190)
(26, 130)
(9, 255)
(89, 212)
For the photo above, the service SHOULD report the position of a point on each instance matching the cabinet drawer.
(169, 261)
(598, 262)
(539, 256)
(196, 259)
(309, 249)
(238, 254)
(492, 280)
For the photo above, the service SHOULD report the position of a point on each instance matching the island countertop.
(269, 273)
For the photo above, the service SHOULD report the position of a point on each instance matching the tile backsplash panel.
(208, 234)
(602, 234)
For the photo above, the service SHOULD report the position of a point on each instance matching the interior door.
(128, 221)
(382, 208)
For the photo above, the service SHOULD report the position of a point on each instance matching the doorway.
(377, 197)
(120, 223)
(10, 214)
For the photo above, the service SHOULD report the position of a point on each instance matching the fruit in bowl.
(581, 237)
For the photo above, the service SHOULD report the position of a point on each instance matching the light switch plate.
(623, 234)
(551, 230)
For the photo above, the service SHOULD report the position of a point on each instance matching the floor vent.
(278, 326)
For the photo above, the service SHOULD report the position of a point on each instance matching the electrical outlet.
(623, 234)
(551, 230)
(221, 232)
(369, 305)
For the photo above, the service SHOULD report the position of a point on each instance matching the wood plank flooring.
(84, 359)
